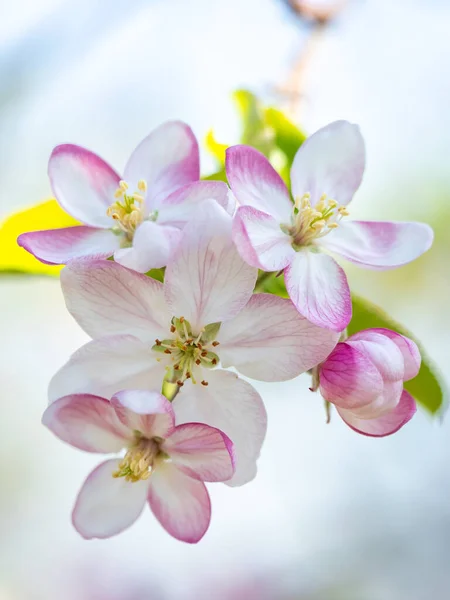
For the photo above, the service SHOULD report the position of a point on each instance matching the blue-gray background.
(331, 515)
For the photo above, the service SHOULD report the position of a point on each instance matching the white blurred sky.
(328, 507)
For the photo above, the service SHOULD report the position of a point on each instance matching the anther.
(123, 185)
(215, 344)
(205, 383)
(204, 353)
(158, 342)
(167, 351)
(182, 319)
(142, 185)
(172, 329)
(180, 383)
(214, 361)
(198, 362)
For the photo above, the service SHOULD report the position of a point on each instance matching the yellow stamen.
(127, 211)
(310, 223)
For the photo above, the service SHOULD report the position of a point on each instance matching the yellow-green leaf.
(13, 258)
(215, 148)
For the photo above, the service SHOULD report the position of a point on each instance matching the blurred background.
(331, 515)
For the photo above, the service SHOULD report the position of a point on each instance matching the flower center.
(128, 209)
(137, 463)
(187, 353)
(309, 223)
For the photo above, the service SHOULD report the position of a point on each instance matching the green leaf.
(288, 138)
(157, 274)
(427, 388)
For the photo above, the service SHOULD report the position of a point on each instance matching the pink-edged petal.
(180, 503)
(147, 411)
(106, 366)
(256, 183)
(166, 159)
(388, 423)
(349, 379)
(108, 505)
(386, 402)
(318, 287)
(87, 422)
(184, 203)
(330, 162)
(58, 246)
(201, 451)
(107, 299)
(83, 183)
(270, 341)
(233, 406)
(152, 247)
(379, 245)
(260, 241)
(382, 351)
(207, 281)
(409, 350)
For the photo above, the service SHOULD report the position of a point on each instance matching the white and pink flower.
(205, 314)
(363, 377)
(164, 465)
(274, 234)
(136, 219)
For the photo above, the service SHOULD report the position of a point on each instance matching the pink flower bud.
(363, 377)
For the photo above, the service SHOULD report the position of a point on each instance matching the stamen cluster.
(128, 208)
(189, 352)
(138, 461)
(313, 222)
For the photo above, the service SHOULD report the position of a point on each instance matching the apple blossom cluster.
(163, 382)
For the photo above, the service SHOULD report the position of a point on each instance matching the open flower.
(138, 218)
(363, 377)
(203, 315)
(274, 234)
(164, 464)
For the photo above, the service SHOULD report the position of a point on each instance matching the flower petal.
(386, 402)
(183, 204)
(260, 241)
(379, 245)
(349, 379)
(181, 504)
(105, 298)
(58, 246)
(152, 247)
(382, 351)
(270, 341)
(409, 350)
(107, 505)
(388, 423)
(207, 281)
(318, 287)
(147, 411)
(200, 451)
(233, 406)
(86, 422)
(256, 183)
(330, 162)
(106, 366)
(166, 159)
(83, 183)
